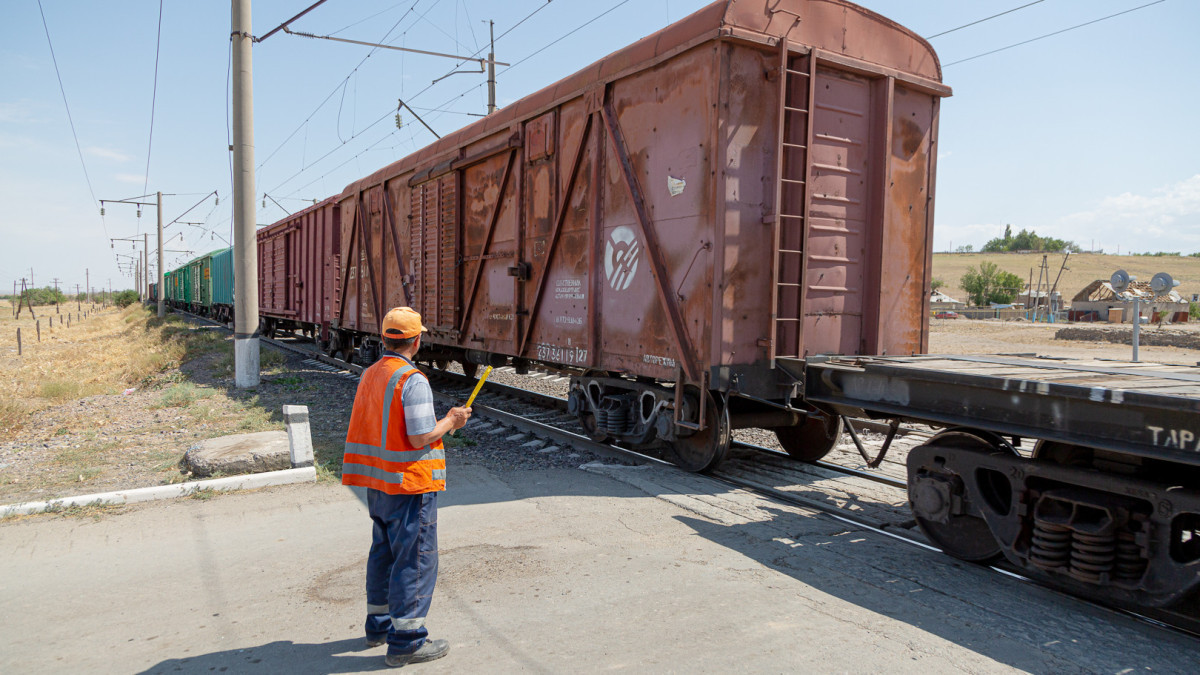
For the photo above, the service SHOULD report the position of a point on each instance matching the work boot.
(376, 641)
(429, 651)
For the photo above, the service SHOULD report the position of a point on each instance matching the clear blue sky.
(1089, 135)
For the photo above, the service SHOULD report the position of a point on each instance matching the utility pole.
(87, 278)
(492, 68)
(56, 311)
(245, 260)
(146, 266)
(161, 307)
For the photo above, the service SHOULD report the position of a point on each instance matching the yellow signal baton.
(486, 372)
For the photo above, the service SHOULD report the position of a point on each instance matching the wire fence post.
(38, 323)
(18, 340)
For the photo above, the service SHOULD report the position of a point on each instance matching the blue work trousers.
(401, 568)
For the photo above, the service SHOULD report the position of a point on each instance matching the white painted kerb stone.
(299, 436)
(246, 482)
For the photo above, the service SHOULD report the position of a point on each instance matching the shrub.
(125, 298)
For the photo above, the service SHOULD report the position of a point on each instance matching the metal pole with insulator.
(245, 263)
(492, 68)
(161, 308)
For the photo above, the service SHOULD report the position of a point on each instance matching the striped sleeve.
(419, 416)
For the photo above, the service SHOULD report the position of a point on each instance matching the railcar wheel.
(962, 536)
(707, 448)
(812, 440)
(469, 369)
(590, 428)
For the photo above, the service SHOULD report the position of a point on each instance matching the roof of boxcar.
(835, 26)
(269, 230)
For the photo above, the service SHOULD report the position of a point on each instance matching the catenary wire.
(1057, 32)
(989, 18)
(70, 119)
(386, 115)
(153, 99)
(336, 88)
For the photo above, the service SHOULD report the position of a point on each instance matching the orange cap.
(402, 323)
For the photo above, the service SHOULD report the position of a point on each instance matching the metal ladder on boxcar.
(791, 203)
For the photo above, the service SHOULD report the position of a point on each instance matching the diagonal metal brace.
(893, 427)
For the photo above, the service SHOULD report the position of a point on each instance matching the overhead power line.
(1057, 32)
(968, 25)
(335, 90)
(387, 114)
(569, 34)
(70, 119)
(153, 98)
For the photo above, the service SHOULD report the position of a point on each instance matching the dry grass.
(107, 352)
(1082, 269)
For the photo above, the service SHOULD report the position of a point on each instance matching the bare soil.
(966, 336)
(135, 438)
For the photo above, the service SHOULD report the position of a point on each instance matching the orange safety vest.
(378, 454)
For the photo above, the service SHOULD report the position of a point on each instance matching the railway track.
(870, 500)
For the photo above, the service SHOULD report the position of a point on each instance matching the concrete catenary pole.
(161, 307)
(145, 266)
(245, 262)
(492, 68)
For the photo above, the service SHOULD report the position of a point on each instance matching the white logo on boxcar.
(621, 258)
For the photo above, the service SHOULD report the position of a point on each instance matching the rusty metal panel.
(539, 137)
(489, 225)
(665, 115)
(434, 243)
(839, 228)
(905, 275)
(745, 206)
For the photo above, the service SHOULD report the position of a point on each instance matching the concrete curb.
(245, 482)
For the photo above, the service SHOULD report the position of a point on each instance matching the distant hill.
(1082, 269)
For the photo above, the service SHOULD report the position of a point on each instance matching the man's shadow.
(282, 656)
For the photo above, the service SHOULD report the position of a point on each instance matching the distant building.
(940, 301)
(1045, 300)
(1096, 300)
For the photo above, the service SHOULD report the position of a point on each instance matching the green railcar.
(206, 286)
(186, 286)
(222, 284)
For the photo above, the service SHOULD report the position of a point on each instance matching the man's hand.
(458, 417)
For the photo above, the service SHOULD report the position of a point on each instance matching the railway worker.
(394, 449)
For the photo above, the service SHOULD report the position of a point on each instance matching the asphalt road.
(636, 569)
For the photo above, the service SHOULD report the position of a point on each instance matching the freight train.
(712, 229)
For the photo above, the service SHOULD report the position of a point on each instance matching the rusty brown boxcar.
(679, 224)
(298, 265)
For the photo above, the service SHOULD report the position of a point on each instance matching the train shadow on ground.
(1002, 619)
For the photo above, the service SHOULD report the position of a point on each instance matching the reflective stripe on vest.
(371, 463)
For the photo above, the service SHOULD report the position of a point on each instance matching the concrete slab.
(240, 453)
(642, 569)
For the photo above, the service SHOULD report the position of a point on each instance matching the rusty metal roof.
(1101, 290)
(837, 27)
